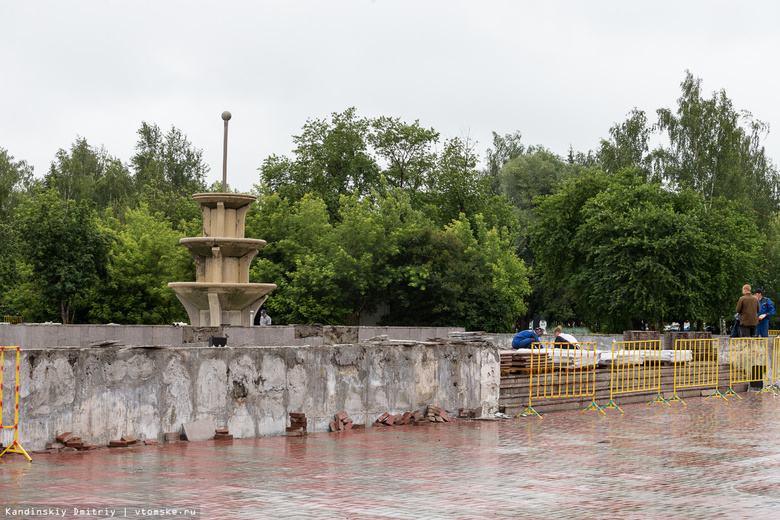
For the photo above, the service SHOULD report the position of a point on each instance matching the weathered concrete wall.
(53, 335)
(103, 393)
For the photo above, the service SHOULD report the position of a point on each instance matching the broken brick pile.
(222, 435)
(126, 441)
(342, 423)
(297, 426)
(432, 414)
(469, 413)
(68, 442)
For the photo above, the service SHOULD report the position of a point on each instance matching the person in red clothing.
(748, 309)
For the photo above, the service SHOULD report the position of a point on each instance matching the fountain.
(222, 294)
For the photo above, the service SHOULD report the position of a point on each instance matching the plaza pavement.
(710, 460)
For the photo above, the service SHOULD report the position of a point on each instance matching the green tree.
(329, 273)
(628, 146)
(88, 173)
(168, 161)
(408, 150)
(626, 249)
(145, 256)
(458, 186)
(65, 248)
(10, 276)
(534, 174)
(457, 277)
(16, 179)
(331, 158)
(504, 149)
(716, 150)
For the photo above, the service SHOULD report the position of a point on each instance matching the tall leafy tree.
(10, 276)
(505, 148)
(627, 249)
(458, 185)
(328, 272)
(716, 150)
(408, 151)
(168, 160)
(457, 277)
(145, 256)
(65, 248)
(331, 158)
(628, 146)
(88, 173)
(16, 179)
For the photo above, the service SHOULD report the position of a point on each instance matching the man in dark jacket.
(748, 308)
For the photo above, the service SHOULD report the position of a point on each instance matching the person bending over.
(525, 338)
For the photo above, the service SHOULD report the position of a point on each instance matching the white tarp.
(639, 356)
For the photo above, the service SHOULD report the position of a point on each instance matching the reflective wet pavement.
(711, 459)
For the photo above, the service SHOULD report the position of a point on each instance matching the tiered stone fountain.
(222, 294)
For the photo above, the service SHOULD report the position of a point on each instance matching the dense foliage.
(377, 220)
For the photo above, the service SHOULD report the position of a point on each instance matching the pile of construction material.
(342, 423)
(470, 413)
(222, 435)
(69, 442)
(521, 360)
(298, 425)
(432, 414)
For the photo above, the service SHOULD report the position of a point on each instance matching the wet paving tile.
(709, 460)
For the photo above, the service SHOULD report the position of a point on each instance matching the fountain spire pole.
(225, 117)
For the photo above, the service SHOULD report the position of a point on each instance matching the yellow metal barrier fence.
(773, 377)
(695, 364)
(562, 370)
(14, 447)
(636, 367)
(774, 332)
(748, 362)
(13, 320)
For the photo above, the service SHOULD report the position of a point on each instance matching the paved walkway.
(709, 460)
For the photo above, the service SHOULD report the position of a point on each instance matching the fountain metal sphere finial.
(226, 115)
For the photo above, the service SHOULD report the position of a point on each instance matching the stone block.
(202, 430)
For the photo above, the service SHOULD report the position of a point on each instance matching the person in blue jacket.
(766, 309)
(525, 338)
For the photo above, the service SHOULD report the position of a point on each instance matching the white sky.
(560, 72)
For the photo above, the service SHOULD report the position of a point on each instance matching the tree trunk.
(64, 311)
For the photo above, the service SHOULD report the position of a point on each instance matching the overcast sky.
(560, 72)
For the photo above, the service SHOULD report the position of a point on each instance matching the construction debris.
(470, 413)
(222, 435)
(298, 425)
(67, 442)
(341, 422)
(432, 414)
